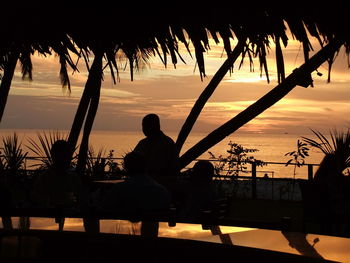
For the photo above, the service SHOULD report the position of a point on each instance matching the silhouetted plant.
(113, 167)
(298, 156)
(96, 163)
(14, 171)
(339, 145)
(231, 166)
(236, 161)
(13, 157)
(298, 159)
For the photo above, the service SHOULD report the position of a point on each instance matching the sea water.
(272, 148)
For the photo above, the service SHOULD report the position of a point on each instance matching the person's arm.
(140, 146)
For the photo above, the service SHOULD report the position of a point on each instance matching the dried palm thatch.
(141, 33)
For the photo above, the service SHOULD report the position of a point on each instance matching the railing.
(254, 175)
(30, 161)
(251, 175)
(252, 180)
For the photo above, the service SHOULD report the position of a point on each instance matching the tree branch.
(300, 76)
(206, 94)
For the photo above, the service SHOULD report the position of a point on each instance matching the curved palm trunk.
(88, 106)
(205, 95)
(9, 70)
(84, 146)
(298, 77)
(93, 82)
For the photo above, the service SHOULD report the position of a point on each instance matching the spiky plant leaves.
(338, 144)
(95, 162)
(13, 155)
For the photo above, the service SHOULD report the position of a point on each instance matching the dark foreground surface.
(286, 215)
(270, 214)
(49, 246)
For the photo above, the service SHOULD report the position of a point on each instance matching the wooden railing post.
(254, 180)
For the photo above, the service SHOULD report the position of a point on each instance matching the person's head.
(151, 125)
(203, 171)
(60, 154)
(134, 163)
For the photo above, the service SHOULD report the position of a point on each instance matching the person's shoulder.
(145, 139)
(142, 143)
(167, 138)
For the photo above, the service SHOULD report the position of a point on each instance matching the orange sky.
(169, 92)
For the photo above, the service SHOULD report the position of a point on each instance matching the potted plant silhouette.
(231, 166)
(338, 144)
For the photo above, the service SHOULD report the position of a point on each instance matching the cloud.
(172, 92)
(328, 109)
(32, 112)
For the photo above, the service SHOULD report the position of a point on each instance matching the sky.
(171, 92)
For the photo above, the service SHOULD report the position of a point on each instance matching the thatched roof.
(151, 32)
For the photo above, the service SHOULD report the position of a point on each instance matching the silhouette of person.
(58, 186)
(159, 150)
(198, 193)
(138, 194)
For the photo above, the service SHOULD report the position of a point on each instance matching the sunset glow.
(171, 92)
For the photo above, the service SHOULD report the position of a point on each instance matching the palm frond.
(26, 64)
(324, 145)
(338, 145)
(64, 74)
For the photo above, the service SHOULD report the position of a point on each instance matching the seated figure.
(198, 193)
(59, 185)
(138, 193)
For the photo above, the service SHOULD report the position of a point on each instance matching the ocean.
(271, 147)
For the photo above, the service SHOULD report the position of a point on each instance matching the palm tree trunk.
(205, 95)
(94, 80)
(298, 77)
(84, 146)
(9, 70)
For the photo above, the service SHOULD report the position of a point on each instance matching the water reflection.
(328, 247)
(184, 231)
(299, 242)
